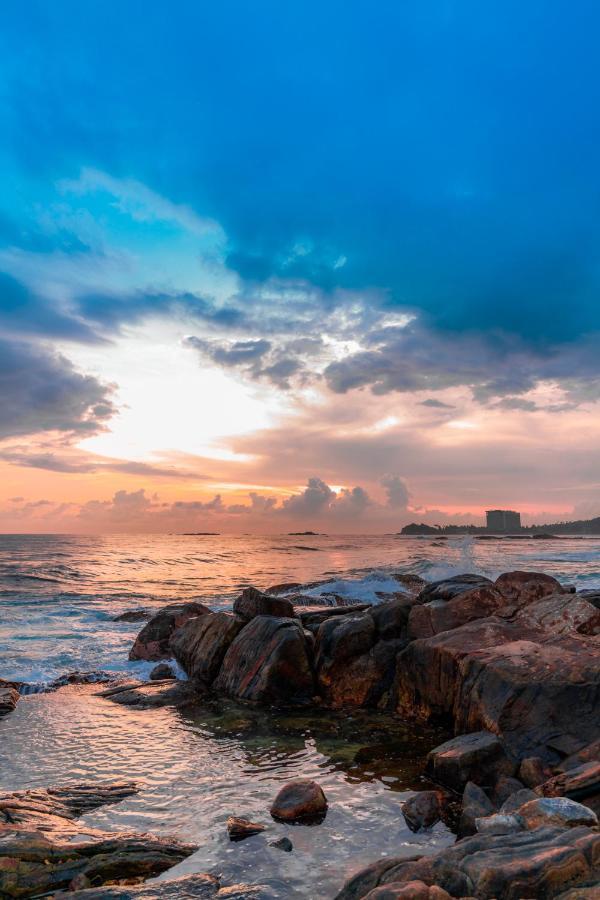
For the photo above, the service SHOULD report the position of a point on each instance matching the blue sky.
(245, 166)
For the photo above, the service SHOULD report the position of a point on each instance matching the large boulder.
(353, 668)
(153, 641)
(391, 617)
(581, 783)
(478, 757)
(252, 603)
(522, 588)
(447, 588)
(544, 863)
(268, 662)
(200, 645)
(504, 676)
(431, 618)
(423, 809)
(409, 890)
(562, 614)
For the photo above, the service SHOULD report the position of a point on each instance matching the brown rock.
(544, 811)
(9, 697)
(133, 615)
(391, 617)
(514, 803)
(428, 619)
(562, 614)
(504, 788)
(581, 783)
(200, 645)
(447, 588)
(409, 890)
(383, 871)
(268, 662)
(518, 681)
(161, 672)
(533, 772)
(475, 805)
(238, 829)
(423, 809)
(155, 694)
(199, 886)
(312, 617)
(479, 757)
(152, 642)
(522, 588)
(298, 801)
(252, 603)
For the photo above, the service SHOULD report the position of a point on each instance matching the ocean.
(58, 597)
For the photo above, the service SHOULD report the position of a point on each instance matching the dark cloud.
(436, 404)
(258, 359)
(396, 490)
(78, 462)
(42, 391)
(23, 312)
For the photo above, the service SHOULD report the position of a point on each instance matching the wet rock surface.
(300, 801)
(42, 848)
(200, 645)
(153, 695)
(189, 887)
(152, 643)
(252, 603)
(423, 810)
(9, 697)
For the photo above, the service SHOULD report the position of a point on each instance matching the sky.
(329, 265)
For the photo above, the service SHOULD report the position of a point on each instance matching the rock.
(199, 886)
(410, 890)
(563, 614)
(581, 783)
(353, 669)
(252, 603)
(533, 772)
(152, 643)
(42, 850)
(431, 618)
(161, 671)
(521, 682)
(515, 801)
(475, 805)
(300, 801)
(391, 617)
(200, 645)
(539, 863)
(523, 588)
(238, 829)
(79, 678)
(282, 844)
(312, 617)
(268, 662)
(498, 823)
(383, 871)
(447, 588)
(561, 811)
(133, 615)
(413, 584)
(9, 697)
(423, 809)
(477, 757)
(504, 788)
(587, 753)
(154, 695)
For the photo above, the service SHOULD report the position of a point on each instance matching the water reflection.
(198, 768)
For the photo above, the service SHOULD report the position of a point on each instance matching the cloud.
(436, 404)
(396, 490)
(79, 462)
(41, 390)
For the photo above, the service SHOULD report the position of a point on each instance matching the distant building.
(503, 520)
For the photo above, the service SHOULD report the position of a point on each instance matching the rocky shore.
(511, 668)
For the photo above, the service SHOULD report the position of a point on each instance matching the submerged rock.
(133, 615)
(282, 844)
(155, 694)
(152, 643)
(268, 662)
(199, 886)
(300, 801)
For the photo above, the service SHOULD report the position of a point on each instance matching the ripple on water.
(225, 760)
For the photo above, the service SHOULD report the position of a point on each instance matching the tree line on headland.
(581, 526)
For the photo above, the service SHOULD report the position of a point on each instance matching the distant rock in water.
(300, 800)
(9, 697)
(133, 615)
(304, 534)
